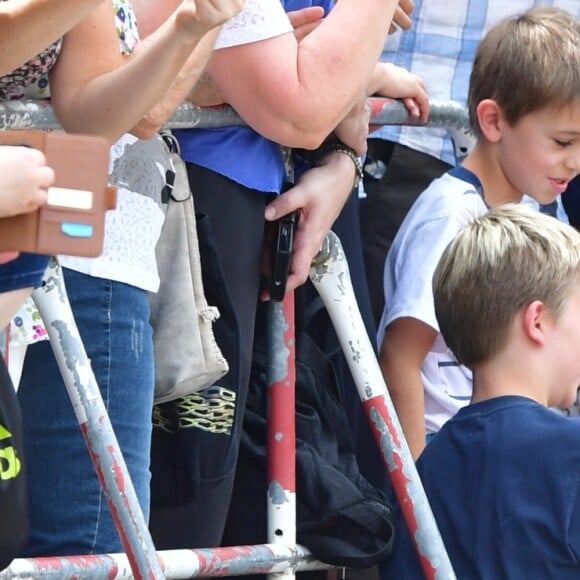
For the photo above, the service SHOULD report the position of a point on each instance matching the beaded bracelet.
(335, 146)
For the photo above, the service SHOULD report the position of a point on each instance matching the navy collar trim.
(468, 176)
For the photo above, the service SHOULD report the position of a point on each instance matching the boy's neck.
(497, 190)
(505, 375)
(486, 387)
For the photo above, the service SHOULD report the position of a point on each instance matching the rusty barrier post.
(330, 275)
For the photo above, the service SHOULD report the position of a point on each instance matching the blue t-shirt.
(502, 478)
(239, 153)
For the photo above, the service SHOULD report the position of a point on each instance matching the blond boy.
(524, 105)
(503, 475)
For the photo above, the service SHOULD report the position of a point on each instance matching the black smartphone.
(282, 255)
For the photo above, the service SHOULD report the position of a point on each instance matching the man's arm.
(319, 195)
(405, 345)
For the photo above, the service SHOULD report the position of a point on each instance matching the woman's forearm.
(299, 92)
(27, 27)
(179, 90)
(112, 97)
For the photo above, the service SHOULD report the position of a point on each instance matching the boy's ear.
(489, 116)
(534, 320)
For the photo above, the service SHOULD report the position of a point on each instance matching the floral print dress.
(14, 85)
(27, 326)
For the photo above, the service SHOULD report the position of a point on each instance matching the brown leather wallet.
(73, 220)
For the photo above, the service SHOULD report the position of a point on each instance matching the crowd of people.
(458, 280)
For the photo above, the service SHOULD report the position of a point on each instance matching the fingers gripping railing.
(281, 555)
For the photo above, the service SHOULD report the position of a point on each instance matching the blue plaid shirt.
(440, 48)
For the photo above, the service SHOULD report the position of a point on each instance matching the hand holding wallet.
(73, 220)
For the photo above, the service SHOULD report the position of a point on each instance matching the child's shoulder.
(447, 198)
(451, 186)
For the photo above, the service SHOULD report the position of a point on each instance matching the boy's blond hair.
(527, 63)
(501, 262)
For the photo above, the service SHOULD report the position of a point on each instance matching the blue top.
(239, 153)
(502, 478)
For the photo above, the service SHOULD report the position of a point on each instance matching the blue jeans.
(26, 271)
(68, 511)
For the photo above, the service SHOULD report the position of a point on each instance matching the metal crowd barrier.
(281, 555)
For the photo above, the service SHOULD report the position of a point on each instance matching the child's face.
(540, 154)
(565, 345)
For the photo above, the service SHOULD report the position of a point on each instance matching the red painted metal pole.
(282, 425)
(331, 277)
(175, 564)
(95, 424)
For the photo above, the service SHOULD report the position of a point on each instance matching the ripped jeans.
(68, 511)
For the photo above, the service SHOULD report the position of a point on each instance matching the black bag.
(341, 518)
(13, 495)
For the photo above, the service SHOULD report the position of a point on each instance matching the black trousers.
(249, 494)
(193, 469)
